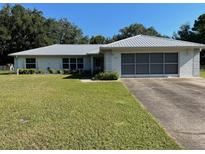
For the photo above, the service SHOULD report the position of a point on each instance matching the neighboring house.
(140, 55)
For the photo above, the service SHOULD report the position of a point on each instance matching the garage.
(149, 63)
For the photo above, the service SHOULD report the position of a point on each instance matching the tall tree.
(70, 33)
(185, 33)
(98, 39)
(22, 29)
(194, 34)
(133, 30)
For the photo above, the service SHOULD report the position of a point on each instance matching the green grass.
(49, 112)
(6, 72)
(202, 73)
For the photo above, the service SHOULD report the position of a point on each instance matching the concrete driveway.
(178, 104)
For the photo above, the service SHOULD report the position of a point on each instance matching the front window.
(30, 63)
(80, 63)
(66, 63)
(73, 63)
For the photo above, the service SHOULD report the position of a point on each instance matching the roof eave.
(50, 55)
(182, 47)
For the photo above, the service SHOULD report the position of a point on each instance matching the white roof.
(61, 50)
(151, 41)
(138, 41)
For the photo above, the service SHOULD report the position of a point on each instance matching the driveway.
(178, 104)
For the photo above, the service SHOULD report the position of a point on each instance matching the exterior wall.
(189, 63)
(188, 60)
(196, 64)
(43, 62)
(19, 62)
(112, 61)
(108, 61)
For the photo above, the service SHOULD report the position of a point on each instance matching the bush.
(58, 72)
(49, 70)
(66, 72)
(27, 71)
(39, 71)
(106, 76)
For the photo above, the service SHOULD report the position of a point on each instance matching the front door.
(98, 64)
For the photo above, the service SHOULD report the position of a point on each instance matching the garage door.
(149, 63)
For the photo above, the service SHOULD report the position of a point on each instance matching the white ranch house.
(136, 56)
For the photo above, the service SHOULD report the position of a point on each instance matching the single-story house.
(140, 55)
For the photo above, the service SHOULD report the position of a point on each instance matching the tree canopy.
(133, 30)
(193, 34)
(22, 29)
(99, 39)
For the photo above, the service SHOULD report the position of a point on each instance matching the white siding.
(43, 62)
(108, 61)
(189, 63)
(52, 62)
(19, 62)
(196, 64)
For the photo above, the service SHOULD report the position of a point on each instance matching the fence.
(8, 67)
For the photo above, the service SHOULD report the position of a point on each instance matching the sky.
(107, 19)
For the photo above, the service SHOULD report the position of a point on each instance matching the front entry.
(98, 64)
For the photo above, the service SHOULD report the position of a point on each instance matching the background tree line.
(23, 29)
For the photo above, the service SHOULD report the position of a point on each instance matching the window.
(80, 63)
(73, 63)
(66, 63)
(30, 63)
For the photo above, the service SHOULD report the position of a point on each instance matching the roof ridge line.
(171, 39)
(123, 39)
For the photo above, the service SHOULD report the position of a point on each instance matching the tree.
(185, 33)
(133, 30)
(70, 33)
(99, 39)
(23, 29)
(194, 34)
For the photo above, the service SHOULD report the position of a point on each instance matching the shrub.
(51, 71)
(66, 72)
(27, 71)
(39, 71)
(58, 72)
(106, 76)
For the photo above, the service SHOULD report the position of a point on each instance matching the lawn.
(51, 112)
(202, 73)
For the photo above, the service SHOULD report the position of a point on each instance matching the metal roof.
(138, 41)
(61, 50)
(151, 41)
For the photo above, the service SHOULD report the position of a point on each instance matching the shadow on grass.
(6, 73)
(74, 76)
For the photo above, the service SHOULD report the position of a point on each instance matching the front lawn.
(6, 72)
(50, 112)
(202, 73)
